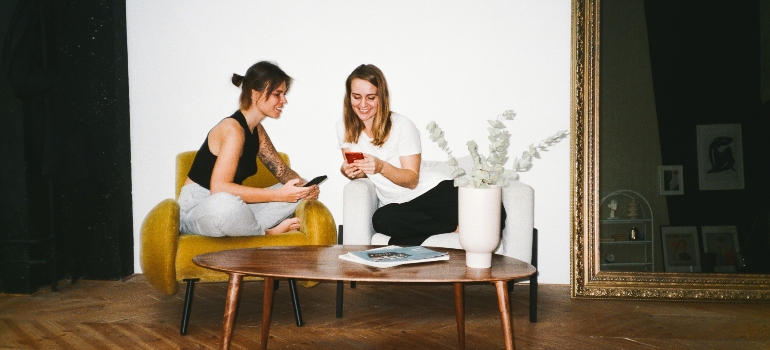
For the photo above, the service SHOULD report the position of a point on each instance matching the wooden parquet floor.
(131, 314)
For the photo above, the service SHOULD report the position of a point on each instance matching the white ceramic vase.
(479, 221)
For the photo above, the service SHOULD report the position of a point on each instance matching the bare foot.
(290, 224)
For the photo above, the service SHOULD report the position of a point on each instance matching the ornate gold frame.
(586, 279)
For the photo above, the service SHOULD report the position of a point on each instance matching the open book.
(393, 255)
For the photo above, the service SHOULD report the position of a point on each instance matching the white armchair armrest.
(359, 201)
(519, 202)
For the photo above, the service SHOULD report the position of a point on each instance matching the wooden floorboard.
(131, 314)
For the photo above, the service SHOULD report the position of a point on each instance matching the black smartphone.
(316, 181)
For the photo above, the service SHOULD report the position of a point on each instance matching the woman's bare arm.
(226, 142)
(273, 161)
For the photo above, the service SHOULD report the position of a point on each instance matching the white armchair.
(360, 201)
(518, 239)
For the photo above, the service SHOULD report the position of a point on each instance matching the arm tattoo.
(269, 156)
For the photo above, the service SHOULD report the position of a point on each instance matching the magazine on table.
(394, 255)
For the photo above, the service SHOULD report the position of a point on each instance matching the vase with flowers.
(480, 186)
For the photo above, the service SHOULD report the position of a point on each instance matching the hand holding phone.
(351, 157)
(315, 181)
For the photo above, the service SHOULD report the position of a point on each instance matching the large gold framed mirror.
(639, 117)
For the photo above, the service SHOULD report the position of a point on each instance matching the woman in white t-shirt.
(415, 203)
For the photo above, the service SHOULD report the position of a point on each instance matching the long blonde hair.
(381, 122)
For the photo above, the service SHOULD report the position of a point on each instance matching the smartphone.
(316, 181)
(353, 156)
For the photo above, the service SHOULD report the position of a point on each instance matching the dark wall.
(705, 58)
(65, 144)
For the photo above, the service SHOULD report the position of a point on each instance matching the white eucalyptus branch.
(489, 171)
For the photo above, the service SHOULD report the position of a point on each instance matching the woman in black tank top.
(228, 156)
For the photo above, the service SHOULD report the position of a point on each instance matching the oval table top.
(323, 263)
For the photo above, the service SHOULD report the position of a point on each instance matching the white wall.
(455, 62)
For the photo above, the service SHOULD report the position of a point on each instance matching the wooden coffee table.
(322, 263)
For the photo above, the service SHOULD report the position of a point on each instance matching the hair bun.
(237, 79)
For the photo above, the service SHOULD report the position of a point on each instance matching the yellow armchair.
(166, 256)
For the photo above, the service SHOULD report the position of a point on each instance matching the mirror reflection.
(684, 133)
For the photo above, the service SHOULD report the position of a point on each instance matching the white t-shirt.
(404, 140)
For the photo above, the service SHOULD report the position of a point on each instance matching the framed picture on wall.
(720, 157)
(671, 180)
(681, 252)
(723, 242)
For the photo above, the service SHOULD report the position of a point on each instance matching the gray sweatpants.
(223, 214)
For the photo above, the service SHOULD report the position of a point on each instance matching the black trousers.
(411, 223)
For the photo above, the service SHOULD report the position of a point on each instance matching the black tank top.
(203, 164)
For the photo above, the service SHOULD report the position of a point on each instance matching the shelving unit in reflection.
(626, 228)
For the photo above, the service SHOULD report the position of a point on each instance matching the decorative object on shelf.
(633, 209)
(720, 157)
(681, 252)
(627, 234)
(613, 207)
(480, 190)
(635, 235)
(671, 180)
(723, 242)
(610, 258)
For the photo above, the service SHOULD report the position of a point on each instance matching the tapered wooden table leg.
(231, 305)
(460, 310)
(505, 313)
(267, 308)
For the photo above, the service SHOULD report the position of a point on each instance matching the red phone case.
(352, 156)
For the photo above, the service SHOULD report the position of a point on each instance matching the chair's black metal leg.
(340, 290)
(187, 304)
(533, 299)
(533, 282)
(295, 302)
(340, 284)
(275, 285)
